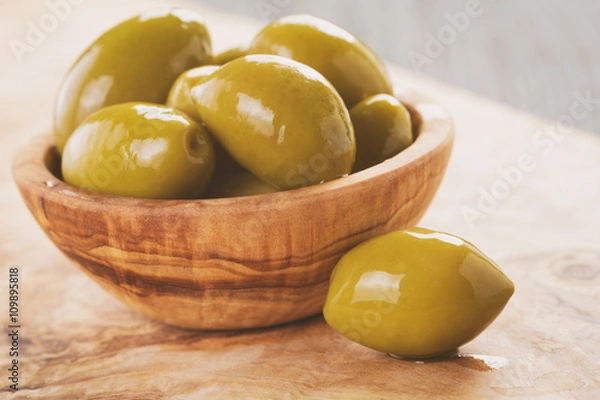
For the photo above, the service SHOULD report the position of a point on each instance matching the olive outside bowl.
(241, 262)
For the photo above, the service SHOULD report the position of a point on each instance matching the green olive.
(179, 96)
(382, 128)
(353, 68)
(415, 293)
(140, 150)
(279, 119)
(230, 55)
(137, 60)
(237, 185)
(181, 99)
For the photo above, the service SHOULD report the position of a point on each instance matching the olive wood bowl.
(238, 262)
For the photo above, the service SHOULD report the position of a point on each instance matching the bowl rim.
(436, 133)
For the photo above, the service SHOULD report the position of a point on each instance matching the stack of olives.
(149, 111)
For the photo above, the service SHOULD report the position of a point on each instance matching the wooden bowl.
(233, 263)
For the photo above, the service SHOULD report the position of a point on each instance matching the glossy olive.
(140, 150)
(179, 96)
(382, 128)
(237, 185)
(353, 68)
(279, 119)
(230, 180)
(415, 293)
(230, 55)
(137, 60)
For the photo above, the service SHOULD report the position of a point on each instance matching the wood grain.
(233, 263)
(80, 343)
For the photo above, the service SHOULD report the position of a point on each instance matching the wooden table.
(78, 342)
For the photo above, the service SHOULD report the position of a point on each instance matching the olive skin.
(415, 293)
(140, 150)
(237, 185)
(180, 98)
(230, 55)
(179, 95)
(382, 128)
(137, 60)
(279, 119)
(353, 69)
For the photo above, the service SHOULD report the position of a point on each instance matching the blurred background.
(533, 55)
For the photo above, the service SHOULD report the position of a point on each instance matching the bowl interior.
(52, 160)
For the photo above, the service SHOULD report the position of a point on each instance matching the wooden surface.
(238, 262)
(78, 342)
